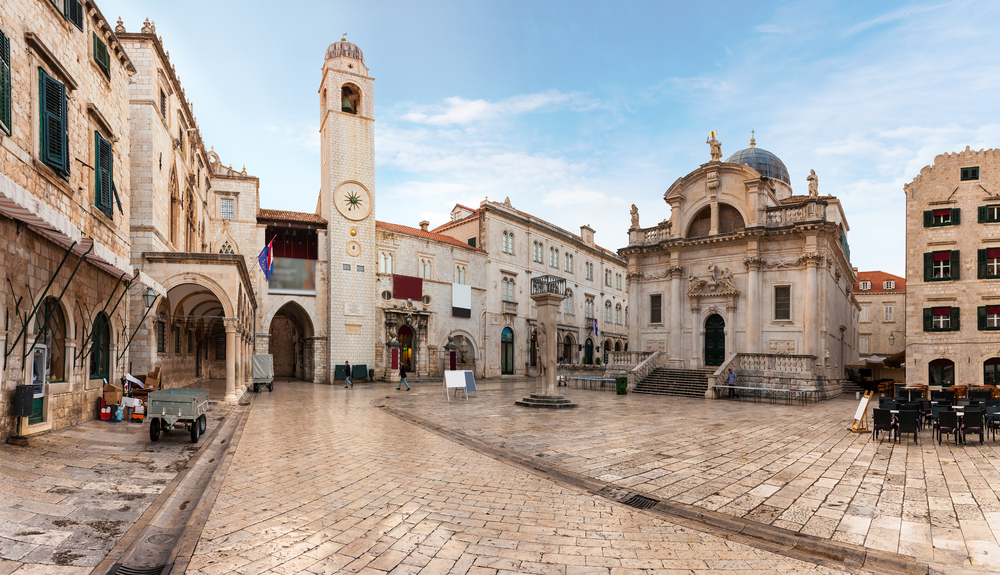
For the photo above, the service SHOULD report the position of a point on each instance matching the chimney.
(587, 234)
(424, 225)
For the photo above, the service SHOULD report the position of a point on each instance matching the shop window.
(942, 266)
(941, 319)
(988, 263)
(942, 217)
(969, 174)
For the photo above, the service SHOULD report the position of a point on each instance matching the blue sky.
(576, 110)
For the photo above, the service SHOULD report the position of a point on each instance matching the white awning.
(17, 203)
(150, 282)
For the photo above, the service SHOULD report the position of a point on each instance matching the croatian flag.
(266, 260)
(595, 327)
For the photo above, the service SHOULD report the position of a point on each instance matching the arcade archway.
(290, 343)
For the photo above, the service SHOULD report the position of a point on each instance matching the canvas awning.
(866, 362)
(895, 360)
(19, 204)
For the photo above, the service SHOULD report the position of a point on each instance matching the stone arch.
(202, 280)
(290, 329)
(702, 210)
(468, 337)
(355, 97)
(293, 305)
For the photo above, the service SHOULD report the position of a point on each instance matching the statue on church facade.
(635, 218)
(716, 147)
(813, 180)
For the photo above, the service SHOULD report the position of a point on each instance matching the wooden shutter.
(956, 216)
(981, 316)
(928, 266)
(5, 87)
(54, 139)
(101, 55)
(956, 265)
(928, 218)
(927, 319)
(74, 11)
(954, 319)
(102, 171)
(981, 267)
(982, 213)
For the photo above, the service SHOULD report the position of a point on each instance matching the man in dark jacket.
(402, 376)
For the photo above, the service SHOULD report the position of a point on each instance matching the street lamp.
(149, 296)
(892, 340)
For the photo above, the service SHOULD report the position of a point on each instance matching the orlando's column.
(548, 293)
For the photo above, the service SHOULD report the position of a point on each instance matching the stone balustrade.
(806, 211)
(627, 357)
(773, 371)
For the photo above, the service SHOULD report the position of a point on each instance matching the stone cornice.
(44, 53)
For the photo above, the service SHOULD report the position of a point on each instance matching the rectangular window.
(989, 263)
(888, 312)
(865, 285)
(889, 285)
(190, 342)
(864, 315)
(220, 347)
(5, 88)
(347, 267)
(228, 209)
(101, 56)
(941, 266)
(941, 319)
(942, 217)
(989, 317)
(75, 13)
(54, 135)
(161, 337)
(177, 340)
(472, 242)
(361, 268)
(163, 104)
(783, 302)
(970, 173)
(989, 214)
(863, 345)
(655, 313)
(103, 170)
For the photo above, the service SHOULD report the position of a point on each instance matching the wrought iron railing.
(548, 284)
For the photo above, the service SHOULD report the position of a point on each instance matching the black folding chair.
(948, 423)
(881, 421)
(907, 422)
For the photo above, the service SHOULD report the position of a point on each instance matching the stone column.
(695, 344)
(422, 367)
(548, 302)
(811, 301)
(753, 264)
(231, 396)
(715, 218)
(676, 274)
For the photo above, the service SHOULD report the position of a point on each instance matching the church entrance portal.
(406, 347)
(715, 340)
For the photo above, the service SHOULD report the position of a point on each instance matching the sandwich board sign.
(459, 379)
(860, 424)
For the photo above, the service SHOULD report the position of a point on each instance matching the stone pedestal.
(548, 341)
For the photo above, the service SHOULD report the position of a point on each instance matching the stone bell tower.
(347, 202)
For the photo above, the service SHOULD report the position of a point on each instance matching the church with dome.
(744, 275)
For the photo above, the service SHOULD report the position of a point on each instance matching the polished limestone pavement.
(324, 481)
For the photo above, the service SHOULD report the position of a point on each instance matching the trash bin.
(24, 396)
(371, 375)
(621, 385)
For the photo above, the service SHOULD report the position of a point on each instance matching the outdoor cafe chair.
(934, 414)
(973, 423)
(907, 422)
(937, 396)
(882, 421)
(993, 420)
(948, 423)
(949, 395)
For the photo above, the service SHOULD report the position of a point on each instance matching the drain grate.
(639, 502)
(120, 569)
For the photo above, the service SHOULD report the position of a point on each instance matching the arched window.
(588, 308)
(53, 336)
(702, 223)
(504, 244)
(618, 281)
(941, 372)
(568, 302)
(730, 220)
(569, 262)
(226, 248)
(607, 311)
(350, 99)
(100, 342)
(607, 278)
(426, 269)
(618, 314)
(555, 263)
(507, 289)
(626, 323)
(385, 263)
(510, 243)
(991, 371)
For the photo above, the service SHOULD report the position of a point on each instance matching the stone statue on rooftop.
(813, 180)
(635, 217)
(716, 147)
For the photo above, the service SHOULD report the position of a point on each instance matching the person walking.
(347, 374)
(732, 384)
(402, 376)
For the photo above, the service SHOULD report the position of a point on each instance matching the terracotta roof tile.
(286, 216)
(577, 236)
(878, 280)
(426, 235)
(446, 225)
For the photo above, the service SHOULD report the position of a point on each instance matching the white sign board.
(454, 379)
(862, 408)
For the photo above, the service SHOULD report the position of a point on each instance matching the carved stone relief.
(781, 346)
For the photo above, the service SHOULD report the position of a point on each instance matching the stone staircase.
(683, 382)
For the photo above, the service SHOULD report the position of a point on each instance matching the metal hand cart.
(263, 372)
(178, 405)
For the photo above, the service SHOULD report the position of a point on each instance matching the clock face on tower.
(353, 201)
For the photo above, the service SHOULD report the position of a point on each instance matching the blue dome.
(766, 163)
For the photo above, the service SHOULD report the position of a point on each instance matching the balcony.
(510, 307)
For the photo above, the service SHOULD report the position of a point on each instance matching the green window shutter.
(956, 265)
(928, 218)
(5, 87)
(981, 316)
(114, 191)
(101, 55)
(982, 213)
(954, 319)
(102, 174)
(981, 267)
(74, 11)
(956, 214)
(54, 137)
(928, 266)
(927, 319)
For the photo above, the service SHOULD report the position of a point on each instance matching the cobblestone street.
(323, 482)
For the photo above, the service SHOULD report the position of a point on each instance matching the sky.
(575, 110)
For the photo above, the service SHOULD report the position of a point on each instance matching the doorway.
(406, 347)
(588, 352)
(715, 340)
(507, 351)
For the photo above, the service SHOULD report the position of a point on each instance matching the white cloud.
(460, 111)
(304, 135)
